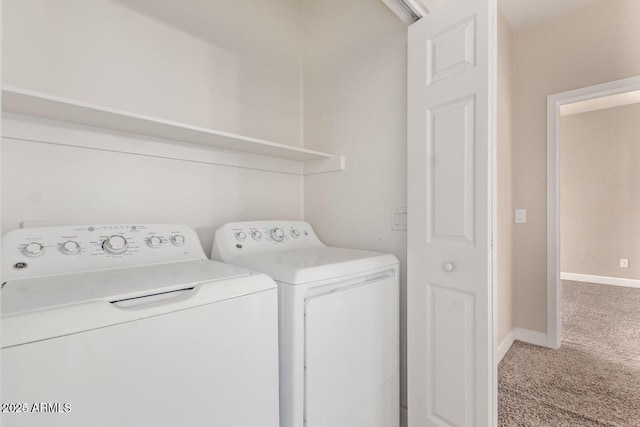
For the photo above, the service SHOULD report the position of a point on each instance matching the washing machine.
(132, 325)
(339, 323)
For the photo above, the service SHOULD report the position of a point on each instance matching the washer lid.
(32, 294)
(315, 264)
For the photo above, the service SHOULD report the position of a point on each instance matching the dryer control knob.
(154, 242)
(277, 234)
(256, 235)
(115, 245)
(241, 236)
(70, 247)
(178, 240)
(33, 249)
(295, 233)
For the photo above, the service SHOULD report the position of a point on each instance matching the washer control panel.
(31, 252)
(244, 238)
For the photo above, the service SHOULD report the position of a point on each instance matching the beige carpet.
(593, 379)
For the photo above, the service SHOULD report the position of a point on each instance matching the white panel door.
(451, 131)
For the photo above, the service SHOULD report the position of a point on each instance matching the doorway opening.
(555, 103)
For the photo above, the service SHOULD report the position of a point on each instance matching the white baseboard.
(524, 335)
(505, 345)
(531, 337)
(601, 280)
(404, 419)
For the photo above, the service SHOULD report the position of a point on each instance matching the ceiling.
(211, 19)
(523, 14)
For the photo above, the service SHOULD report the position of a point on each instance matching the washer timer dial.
(115, 245)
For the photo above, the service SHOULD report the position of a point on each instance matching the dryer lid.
(315, 264)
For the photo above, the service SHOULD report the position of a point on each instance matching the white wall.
(355, 104)
(115, 54)
(50, 182)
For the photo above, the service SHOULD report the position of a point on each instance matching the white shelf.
(30, 103)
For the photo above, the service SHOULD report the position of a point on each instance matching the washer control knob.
(295, 233)
(115, 245)
(70, 247)
(178, 239)
(241, 236)
(154, 242)
(277, 234)
(33, 249)
(256, 235)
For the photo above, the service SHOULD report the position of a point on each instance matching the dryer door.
(351, 356)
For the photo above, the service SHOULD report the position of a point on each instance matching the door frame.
(554, 102)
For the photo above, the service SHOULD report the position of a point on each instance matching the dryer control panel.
(251, 237)
(41, 251)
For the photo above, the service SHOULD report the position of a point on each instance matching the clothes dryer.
(131, 325)
(339, 323)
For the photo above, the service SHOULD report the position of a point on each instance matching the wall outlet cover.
(399, 219)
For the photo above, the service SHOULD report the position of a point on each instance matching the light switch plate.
(521, 216)
(399, 219)
(624, 263)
